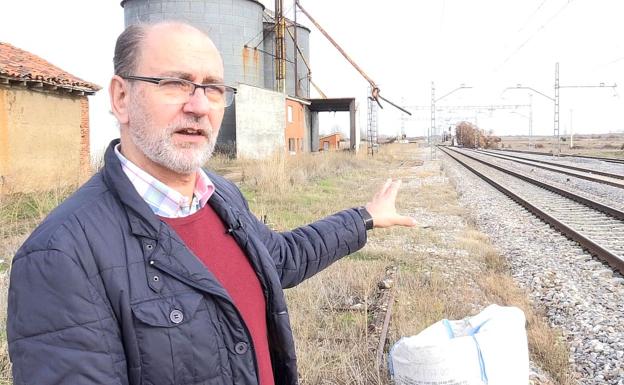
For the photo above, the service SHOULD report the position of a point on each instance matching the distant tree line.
(470, 136)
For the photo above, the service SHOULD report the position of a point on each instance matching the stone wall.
(44, 140)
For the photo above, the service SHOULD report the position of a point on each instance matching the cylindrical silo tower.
(303, 40)
(231, 24)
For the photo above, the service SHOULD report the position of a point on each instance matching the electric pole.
(571, 132)
(432, 114)
(556, 125)
(557, 146)
(530, 119)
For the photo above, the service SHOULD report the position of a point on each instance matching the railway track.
(594, 175)
(602, 177)
(610, 160)
(596, 227)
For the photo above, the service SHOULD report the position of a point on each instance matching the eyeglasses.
(179, 91)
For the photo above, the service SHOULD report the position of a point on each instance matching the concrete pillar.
(314, 131)
(353, 142)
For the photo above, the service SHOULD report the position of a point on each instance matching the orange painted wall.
(294, 129)
(333, 141)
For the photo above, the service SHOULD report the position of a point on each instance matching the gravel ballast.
(581, 296)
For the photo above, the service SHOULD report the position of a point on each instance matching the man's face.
(177, 136)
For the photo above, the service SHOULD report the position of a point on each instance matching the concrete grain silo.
(303, 39)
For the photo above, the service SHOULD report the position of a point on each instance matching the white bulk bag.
(487, 349)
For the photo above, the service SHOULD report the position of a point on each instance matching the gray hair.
(127, 49)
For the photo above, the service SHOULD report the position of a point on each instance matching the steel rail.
(606, 255)
(611, 160)
(614, 183)
(611, 211)
(587, 170)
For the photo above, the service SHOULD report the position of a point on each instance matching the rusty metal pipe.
(372, 83)
(394, 105)
(318, 89)
(375, 90)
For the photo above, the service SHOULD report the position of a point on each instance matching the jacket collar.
(143, 222)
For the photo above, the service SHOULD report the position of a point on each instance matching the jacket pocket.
(177, 340)
(168, 312)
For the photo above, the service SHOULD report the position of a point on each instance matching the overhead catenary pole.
(434, 100)
(557, 145)
(430, 131)
(530, 119)
(556, 134)
(571, 132)
(403, 122)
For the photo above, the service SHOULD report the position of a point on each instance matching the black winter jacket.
(103, 292)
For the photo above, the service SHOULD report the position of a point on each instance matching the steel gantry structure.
(555, 100)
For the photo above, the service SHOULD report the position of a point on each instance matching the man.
(155, 271)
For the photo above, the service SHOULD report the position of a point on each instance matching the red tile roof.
(20, 65)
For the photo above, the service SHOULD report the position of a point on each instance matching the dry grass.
(445, 271)
(332, 341)
(20, 213)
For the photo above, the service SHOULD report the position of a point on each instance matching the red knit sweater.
(205, 234)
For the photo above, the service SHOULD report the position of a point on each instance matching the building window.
(290, 114)
(325, 145)
(291, 145)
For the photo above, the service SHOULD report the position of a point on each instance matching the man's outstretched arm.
(304, 251)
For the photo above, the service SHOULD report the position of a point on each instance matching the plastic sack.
(488, 349)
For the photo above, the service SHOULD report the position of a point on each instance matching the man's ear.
(118, 91)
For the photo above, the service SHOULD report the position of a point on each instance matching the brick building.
(44, 123)
(330, 142)
(296, 133)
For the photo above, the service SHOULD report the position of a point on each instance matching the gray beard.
(161, 150)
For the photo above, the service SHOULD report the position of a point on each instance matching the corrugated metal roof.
(18, 64)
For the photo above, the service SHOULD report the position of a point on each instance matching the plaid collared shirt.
(162, 199)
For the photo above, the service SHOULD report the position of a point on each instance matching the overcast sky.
(404, 46)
